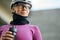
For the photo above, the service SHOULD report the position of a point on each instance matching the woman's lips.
(24, 12)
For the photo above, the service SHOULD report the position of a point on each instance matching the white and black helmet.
(21, 1)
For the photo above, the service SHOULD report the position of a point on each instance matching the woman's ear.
(13, 10)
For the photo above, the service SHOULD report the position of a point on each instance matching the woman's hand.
(8, 36)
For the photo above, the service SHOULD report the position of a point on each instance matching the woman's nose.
(23, 8)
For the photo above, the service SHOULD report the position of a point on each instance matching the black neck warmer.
(19, 20)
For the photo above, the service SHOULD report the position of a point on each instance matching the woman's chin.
(23, 15)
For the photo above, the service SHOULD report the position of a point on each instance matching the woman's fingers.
(8, 36)
(8, 32)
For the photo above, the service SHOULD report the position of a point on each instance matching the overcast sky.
(45, 4)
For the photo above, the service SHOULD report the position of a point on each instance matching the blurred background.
(44, 13)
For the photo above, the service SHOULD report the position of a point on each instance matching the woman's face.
(21, 9)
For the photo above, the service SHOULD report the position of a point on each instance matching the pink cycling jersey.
(24, 32)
